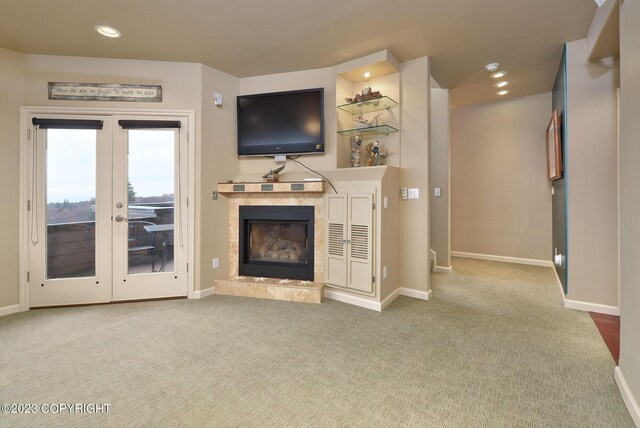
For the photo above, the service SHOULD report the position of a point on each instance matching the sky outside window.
(71, 163)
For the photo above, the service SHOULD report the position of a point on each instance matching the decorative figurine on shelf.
(366, 95)
(361, 122)
(356, 148)
(364, 123)
(273, 176)
(376, 154)
(374, 121)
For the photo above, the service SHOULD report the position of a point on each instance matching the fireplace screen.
(278, 242)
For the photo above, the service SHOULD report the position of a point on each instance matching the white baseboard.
(627, 396)
(560, 287)
(434, 264)
(442, 269)
(8, 310)
(584, 306)
(433, 260)
(416, 294)
(352, 300)
(390, 298)
(362, 302)
(199, 294)
(591, 307)
(533, 262)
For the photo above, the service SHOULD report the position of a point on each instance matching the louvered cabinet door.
(336, 240)
(359, 248)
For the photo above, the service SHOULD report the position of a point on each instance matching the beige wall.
(501, 198)
(253, 167)
(180, 81)
(439, 166)
(217, 162)
(591, 159)
(410, 151)
(414, 160)
(390, 233)
(189, 87)
(185, 87)
(630, 196)
(11, 83)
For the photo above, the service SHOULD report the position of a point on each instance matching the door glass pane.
(151, 200)
(71, 203)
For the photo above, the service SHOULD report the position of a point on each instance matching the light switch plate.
(216, 263)
(414, 193)
(217, 99)
(385, 202)
(436, 192)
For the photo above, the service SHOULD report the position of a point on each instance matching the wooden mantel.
(280, 187)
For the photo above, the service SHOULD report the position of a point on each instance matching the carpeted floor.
(493, 347)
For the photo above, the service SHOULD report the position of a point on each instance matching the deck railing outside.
(71, 247)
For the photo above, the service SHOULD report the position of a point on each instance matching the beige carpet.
(492, 348)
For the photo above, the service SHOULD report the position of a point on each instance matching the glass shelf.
(376, 104)
(369, 132)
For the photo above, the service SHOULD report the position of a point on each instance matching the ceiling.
(255, 37)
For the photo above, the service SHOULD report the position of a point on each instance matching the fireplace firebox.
(276, 241)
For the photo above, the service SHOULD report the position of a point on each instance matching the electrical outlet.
(216, 263)
(385, 272)
(214, 196)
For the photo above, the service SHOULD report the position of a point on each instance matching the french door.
(107, 214)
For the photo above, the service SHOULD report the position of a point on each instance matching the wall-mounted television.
(281, 123)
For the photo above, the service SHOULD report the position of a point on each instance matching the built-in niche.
(347, 86)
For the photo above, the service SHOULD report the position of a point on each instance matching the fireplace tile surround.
(272, 288)
(299, 199)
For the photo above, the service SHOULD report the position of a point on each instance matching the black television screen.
(281, 123)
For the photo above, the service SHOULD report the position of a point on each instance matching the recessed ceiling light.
(107, 31)
(503, 92)
(498, 74)
(367, 74)
(500, 84)
(492, 67)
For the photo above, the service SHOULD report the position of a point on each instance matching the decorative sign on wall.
(105, 92)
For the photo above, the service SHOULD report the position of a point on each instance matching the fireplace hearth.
(276, 241)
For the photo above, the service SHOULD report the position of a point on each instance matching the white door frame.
(25, 133)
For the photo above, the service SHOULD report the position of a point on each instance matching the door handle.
(121, 218)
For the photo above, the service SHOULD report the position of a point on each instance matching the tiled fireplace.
(313, 202)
